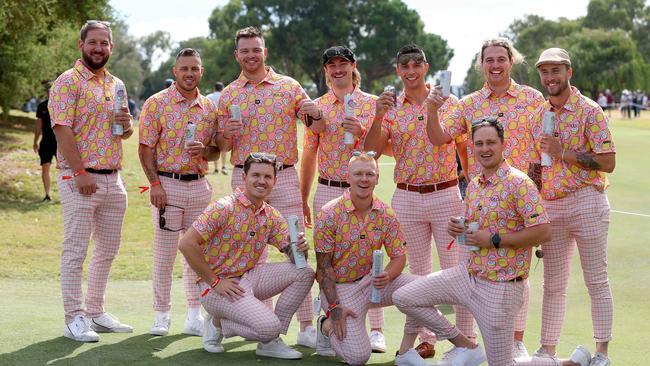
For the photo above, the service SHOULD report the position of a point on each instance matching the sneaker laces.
(599, 359)
(160, 321)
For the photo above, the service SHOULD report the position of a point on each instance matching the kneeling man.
(223, 247)
(348, 229)
(510, 218)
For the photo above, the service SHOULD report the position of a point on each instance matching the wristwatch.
(496, 240)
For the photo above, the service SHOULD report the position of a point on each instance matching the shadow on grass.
(143, 349)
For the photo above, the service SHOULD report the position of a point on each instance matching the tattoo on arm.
(535, 174)
(149, 164)
(587, 161)
(326, 276)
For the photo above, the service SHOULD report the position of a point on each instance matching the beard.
(92, 64)
(560, 89)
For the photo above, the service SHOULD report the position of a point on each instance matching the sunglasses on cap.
(162, 222)
(102, 22)
(370, 154)
(405, 58)
(262, 157)
(337, 51)
(493, 120)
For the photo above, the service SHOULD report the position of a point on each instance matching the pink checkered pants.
(249, 317)
(493, 304)
(193, 197)
(422, 216)
(323, 195)
(355, 348)
(99, 215)
(580, 219)
(285, 197)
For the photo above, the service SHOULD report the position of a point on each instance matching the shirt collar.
(330, 97)
(271, 77)
(571, 104)
(244, 201)
(85, 72)
(485, 92)
(403, 100)
(177, 97)
(502, 172)
(348, 205)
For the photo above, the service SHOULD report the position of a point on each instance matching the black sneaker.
(47, 199)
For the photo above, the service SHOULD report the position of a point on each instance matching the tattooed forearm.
(326, 276)
(148, 162)
(535, 174)
(587, 161)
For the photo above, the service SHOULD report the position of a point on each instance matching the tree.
(37, 42)
(298, 31)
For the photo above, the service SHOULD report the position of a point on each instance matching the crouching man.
(347, 231)
(223, 247)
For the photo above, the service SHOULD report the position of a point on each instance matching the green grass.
(31, 317)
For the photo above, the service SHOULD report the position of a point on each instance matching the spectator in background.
(638, 103)
(611, 102)
(46, 150)
(625, 104)
(214, 97)
(602, 101)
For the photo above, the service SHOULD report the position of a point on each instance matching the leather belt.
(181, 177)
(333, 183)
(101, 171)
(282, 167)
(429, 187)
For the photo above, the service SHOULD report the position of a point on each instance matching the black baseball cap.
(338, 51)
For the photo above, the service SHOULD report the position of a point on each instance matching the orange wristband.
(76, 174)
(156, 183)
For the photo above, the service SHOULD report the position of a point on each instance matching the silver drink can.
(190, 134)
(235, 112)
(298, 256)
(119, 101)
(391, 89)
(445, 82)
(460, 239)
(377, 268)
(348, 102)
(548, 126)
(474, 227)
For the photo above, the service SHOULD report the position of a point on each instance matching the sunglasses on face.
(162, 223)
(370, 154)
(404, 59)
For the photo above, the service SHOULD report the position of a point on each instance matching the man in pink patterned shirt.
(343, 78)
(427, 192)
(92, 192)
(224, 247)
(511, 104)
(348, 230)
(270, 105)
(573, 188)
(175, 169)
(507, 208)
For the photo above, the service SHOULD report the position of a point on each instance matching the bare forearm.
(148, 162)
(307, 172)
(211, 153)
(68, 147)
(461, 147)
(528, 237)
(37, 129)
(435, 132)
(375, 141)
(591, 161)
(326, 277)
(191, 247)
(395, 266)
(535, 174)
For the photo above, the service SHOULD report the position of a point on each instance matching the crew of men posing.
(536, 171)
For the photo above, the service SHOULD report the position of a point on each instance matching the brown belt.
(428, 188)
(333, 183)
(281, 167)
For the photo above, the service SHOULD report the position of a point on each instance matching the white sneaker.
(459, 356)
(79, 330)
(212, 336)
(581, 356)
(599, 359)
(277, 349)
(108, 323)
(520, 350)
(194, 326)
(323, 345)
(377, 342)
(307, 337)
(161, 325)
(410, 358)
(540, 353)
